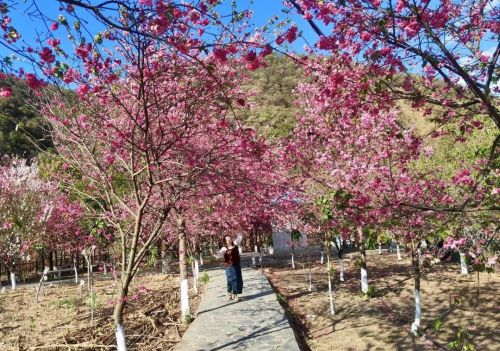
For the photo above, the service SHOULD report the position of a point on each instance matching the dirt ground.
(63, 317)
(383, 322)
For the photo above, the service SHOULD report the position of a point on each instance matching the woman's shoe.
(231, 296)
(236, 298)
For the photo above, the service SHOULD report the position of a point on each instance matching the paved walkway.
(256, 323)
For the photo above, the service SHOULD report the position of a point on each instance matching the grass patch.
(69, 303)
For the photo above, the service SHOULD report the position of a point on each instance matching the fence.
(61, 263)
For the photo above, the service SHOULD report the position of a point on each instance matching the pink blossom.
(33, 82)
(54, 42)
(177, 13)
(110, 158)
(46, 55)
(220, 54)
(82, 90)
(365, 36)
(6, 92)
(83, 51)
(325, 43)
(266, 51)
(291, 34)
(463, 177)
(7, 225)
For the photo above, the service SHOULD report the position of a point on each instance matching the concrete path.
(256, 323)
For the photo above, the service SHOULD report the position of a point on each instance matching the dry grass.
(383, 322)
(62, 317)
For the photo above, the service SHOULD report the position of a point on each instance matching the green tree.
(273, 111)
(22, 131)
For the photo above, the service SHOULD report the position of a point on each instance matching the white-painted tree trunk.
(13, 280)
(184, 298)
(121, 344)
(196, 275)
(197, 268)
(253, 260)
(341, 263)
(82, 286)
(201, 259)
(463, 264)
(309, 287)
(165, 264)
(330, 296)
(322, 257)
(416, 324)
(398, 252)
(338, 240)
(76, 272)
(105, 268)
(89, 275)
(364, 281)
(39, 288)
(380, 248)
(293, 260)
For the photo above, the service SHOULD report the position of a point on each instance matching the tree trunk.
(51, 261)
(330, 293)
(310, 268)
(293, 258)
(340, 249)
(165, 262)
(341, 263)
(184, 286)
(75, 268)
(416, 272)
(398, 252)
(463, 264)
(121, 342)
(13, 279)
(363, 266)
(196, 275)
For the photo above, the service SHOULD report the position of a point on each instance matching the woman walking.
(231, 255)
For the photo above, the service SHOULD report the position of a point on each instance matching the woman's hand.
(221, 253)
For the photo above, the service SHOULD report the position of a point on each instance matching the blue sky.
(30, 28)
(263, 10)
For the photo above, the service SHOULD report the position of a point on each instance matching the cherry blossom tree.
(21, 212)
(34, 214)
(450, 47)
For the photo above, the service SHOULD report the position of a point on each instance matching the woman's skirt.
(234, 280)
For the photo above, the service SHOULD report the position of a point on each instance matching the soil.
(383, 322)
(62, 316)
